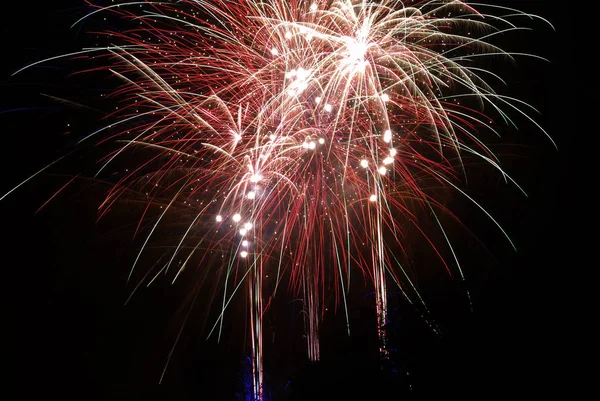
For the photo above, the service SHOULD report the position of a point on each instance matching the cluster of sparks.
(302, 136)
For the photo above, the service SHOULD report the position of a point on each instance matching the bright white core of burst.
(237, 217)
(236, 136)
(356, 50)
(387, 136)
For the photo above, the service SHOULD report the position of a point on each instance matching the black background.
(66, 273)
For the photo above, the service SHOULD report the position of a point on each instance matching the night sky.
(66, 272)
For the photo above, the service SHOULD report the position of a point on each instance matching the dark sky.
(67, 274)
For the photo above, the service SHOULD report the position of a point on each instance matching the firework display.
(298, 144)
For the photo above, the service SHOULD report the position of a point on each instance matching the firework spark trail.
(305, 134)
(311, 310)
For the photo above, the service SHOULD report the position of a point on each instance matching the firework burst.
(299, 140)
